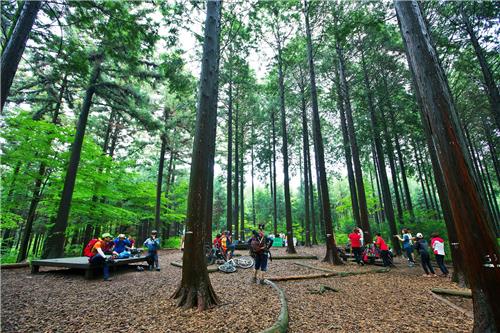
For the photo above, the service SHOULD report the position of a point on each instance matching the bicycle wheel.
(244, 262)
(227, 268)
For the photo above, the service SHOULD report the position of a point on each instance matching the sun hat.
(106, 234)
(154, 232)
(121, 236)
(419, 235)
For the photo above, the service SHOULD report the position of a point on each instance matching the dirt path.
(63, 301)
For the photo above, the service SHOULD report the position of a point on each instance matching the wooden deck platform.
(80, 263)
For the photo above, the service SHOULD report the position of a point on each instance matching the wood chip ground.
(58, 300)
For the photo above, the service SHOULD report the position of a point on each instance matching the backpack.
(87, 251)
(258, 246)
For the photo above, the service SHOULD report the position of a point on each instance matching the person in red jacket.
(355, 239)
(384, 250)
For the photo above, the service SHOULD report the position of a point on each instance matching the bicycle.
(230, 265)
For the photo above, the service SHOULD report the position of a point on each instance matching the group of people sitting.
(103, 250)
(410, 244)
(224, 243)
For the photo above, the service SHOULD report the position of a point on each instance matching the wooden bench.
(80, 263)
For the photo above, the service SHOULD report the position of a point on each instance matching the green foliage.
(172, 243)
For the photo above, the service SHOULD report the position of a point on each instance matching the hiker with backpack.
(153, 244)
(96, 249)
(259, 250)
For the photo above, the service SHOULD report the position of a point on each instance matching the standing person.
(384, 250)
(422, 248)
(362, 239)
(355, 239)
(153, 244)
(259, 248)
(437, 244)
(407, 245)
(99, 257)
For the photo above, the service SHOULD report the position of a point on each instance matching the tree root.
(293, 257)
(324, 275)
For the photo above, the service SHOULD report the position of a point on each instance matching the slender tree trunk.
(11, 55)
(375, 215)
(348, 157)
(54, 243)
(275, 199)
(331, 255)
(420, 178)
(390, 153)
(491, 87)
(229, 186)
(311, 200)
(284, 150)
(404, 178)
(377, 178)
(195, 289)
(363, 208)
(159, 183)
(491, 148)
(471, 218)
(305, 144)
(236, 176)
(242, 187)
(253, 186)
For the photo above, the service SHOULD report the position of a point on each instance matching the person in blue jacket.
(153, 244)
(122, 246)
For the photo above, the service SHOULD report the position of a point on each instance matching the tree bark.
(275, 204)
(348, 156)
(331, 255)
(242, 186)
(363, 208)
(16, 44)
(491, 87)
(305, 144)
(236, 207)
(195, 289)
(229, 186)
(159, 183)
(54, 243)
(284, 150)
(471, 218)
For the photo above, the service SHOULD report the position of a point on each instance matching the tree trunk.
(363, 208)
(286, 181)
(305, 144)
(14, 50)
(390, 151)
(470, 216)
(195, 289)
(159, 183)
(331, 255)
(348, 157)
(229, 186)
(404, 178)
(254, 217)
(311, 200)
(275, 199)
(420, 178)
(242, 187)
(491, 87)
(236, 175)
(54, 243)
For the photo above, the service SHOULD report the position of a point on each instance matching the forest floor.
(59, 300)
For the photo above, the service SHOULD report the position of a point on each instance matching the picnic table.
(81, 263)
